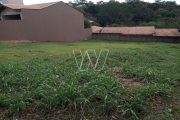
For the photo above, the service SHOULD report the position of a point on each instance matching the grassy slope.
(156, 64)
(44, 49)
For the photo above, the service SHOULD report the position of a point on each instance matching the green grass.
(44, 49)
(42, 80)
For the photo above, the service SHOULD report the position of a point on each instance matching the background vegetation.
(160, 14)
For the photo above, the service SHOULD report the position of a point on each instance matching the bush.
(114, 25)
(153, 23)
(87, 23)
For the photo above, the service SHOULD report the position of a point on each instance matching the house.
(54, 21)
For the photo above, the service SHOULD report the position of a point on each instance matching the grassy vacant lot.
(42, 81)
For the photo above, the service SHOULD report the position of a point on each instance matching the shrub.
(87, 23)
(114, 25)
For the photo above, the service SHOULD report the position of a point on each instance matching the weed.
(55, 83)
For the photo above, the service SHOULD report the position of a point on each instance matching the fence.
(137, 38)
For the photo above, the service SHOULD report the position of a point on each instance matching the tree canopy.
(160, 14)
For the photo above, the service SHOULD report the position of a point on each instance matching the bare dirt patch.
(70, 44)
(124, 58)
(130, 83)
(126, 82)
(117, 70)
(3, 110)
(163, 109)
(16, 55)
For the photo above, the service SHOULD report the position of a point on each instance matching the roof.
(166, 32)
(35, 6)
(147, 30)
(96, 29)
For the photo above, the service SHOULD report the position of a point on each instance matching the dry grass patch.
(128, 83)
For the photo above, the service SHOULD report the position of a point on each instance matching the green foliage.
(87, 23)
(132, 0)
(165, 14)
(91, 9)
(109, 14)
(153, 24)
(114, 25)
(79, 8)
(79, 2)
(167, 24)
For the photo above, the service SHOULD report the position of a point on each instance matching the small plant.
(87, 23)
(54, 86)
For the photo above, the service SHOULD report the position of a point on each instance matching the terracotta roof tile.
(147, 30)
(96, 29)
(35, 6)
(166, 32)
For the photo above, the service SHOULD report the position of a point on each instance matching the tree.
(80, 2)
(176, 12)
(109, 13)
(91, 9)
(158, 1)
(112, 1)
(172, 3)
(142, 13)
(163, 12)
(133, 0)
